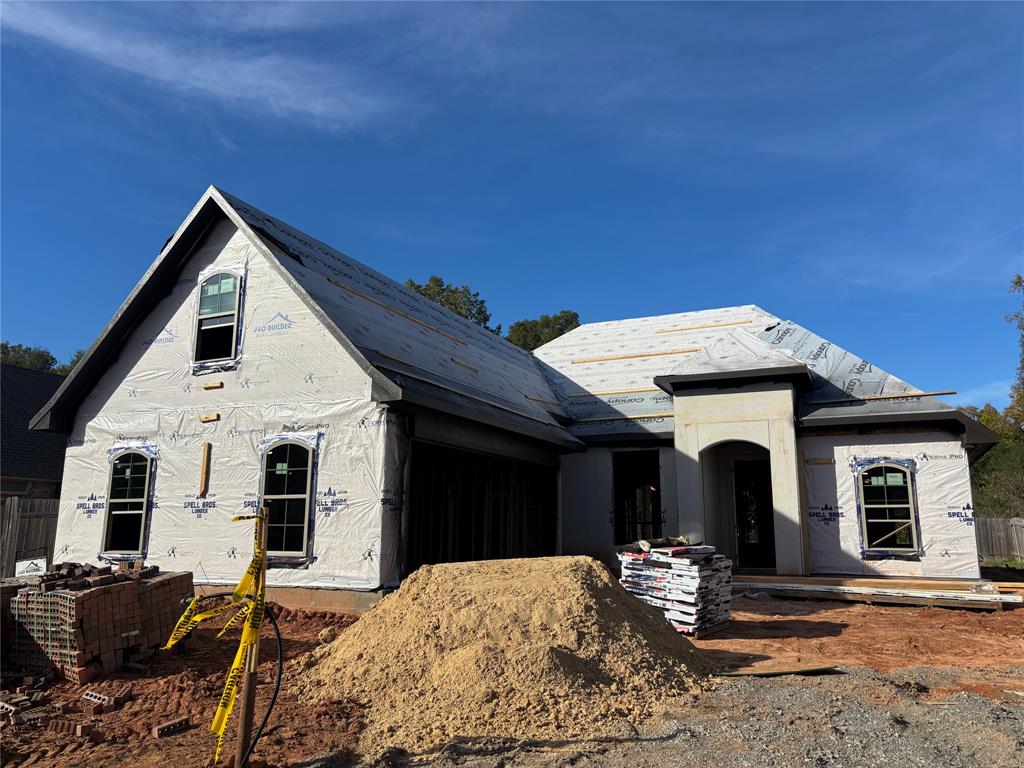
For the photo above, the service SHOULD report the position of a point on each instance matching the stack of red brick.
(87, 632)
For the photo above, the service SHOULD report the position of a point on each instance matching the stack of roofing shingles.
(691, 584)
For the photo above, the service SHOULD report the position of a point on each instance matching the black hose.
(277, 681)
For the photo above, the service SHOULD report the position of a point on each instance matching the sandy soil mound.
(530, 649)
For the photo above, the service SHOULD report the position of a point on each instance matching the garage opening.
(472, 506)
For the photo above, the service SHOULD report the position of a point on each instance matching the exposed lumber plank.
(204, 471)
(886, 599)
(947, 598)
(702, 327)
(884, 582)
(685, 351)
(668, 415)
(617, 392)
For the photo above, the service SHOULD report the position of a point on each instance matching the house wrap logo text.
(166, 336)
(279, 323)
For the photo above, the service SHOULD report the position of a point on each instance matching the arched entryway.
(738, 509)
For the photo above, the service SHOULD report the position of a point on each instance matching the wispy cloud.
(290, 86)
(995, 392)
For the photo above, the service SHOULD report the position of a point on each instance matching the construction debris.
(536, 648)
(25, 705)
(84, 625)
(691, 585)
(171, 727)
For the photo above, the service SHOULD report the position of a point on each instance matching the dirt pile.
(530, 649)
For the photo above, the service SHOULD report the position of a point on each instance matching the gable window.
(127, 503)
(888, 513)
(217, 328)
(287, 481)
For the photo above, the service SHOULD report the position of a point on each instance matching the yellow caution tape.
(252, 627)
(248, 580)
(240, 616)
(246, 645)
(227, 698)
(179, 632)
(251, 593)
(190, 620)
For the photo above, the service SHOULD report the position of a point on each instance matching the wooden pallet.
(882, 582)
(962, 598)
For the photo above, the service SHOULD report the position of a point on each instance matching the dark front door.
(755, 528)
(636, 480)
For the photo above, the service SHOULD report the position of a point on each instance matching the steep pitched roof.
(24, 453)
(602, 379)
(403, 333)
(412, 348)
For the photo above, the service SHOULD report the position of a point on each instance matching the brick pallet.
(87, 632)
(8, 589)
(691, 585)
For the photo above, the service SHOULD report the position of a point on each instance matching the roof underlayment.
(404, 334)
(606, 372)
(609, 379)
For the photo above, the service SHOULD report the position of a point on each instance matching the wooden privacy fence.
(1000, 537)
(27, 530)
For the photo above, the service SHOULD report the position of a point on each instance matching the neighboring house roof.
(612, 378)
(23, 452)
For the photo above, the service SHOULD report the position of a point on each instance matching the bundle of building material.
(8, 589)
(87, 631)
(692, 585)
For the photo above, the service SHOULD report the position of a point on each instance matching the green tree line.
(997, 478)
(37, 358)
(464, 301)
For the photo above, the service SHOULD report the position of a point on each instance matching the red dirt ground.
(775, 633)
(765, 634)
(190, 683)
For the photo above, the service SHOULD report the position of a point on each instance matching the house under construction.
(256, 366)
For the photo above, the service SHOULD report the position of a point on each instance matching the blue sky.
(856, 168)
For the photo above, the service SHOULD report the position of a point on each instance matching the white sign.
(35, 567)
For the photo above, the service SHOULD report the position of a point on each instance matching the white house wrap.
(254, 365)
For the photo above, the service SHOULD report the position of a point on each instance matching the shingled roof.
(24, 453)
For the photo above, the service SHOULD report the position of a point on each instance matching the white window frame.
(144, 528)
(264, 496)
(865, 516)
(235, 315)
